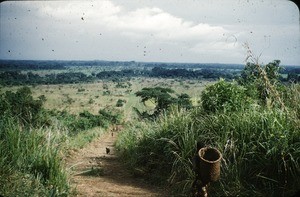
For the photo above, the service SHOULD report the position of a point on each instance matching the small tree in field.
(161, 97)
(163, 100)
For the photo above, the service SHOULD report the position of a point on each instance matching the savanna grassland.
(75, 98)
(94, 96)
(250, 113)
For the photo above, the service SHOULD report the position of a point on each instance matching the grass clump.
(31, 161)
(260, 149)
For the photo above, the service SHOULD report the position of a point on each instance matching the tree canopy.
(163, 99)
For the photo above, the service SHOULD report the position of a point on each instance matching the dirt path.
(96, 173)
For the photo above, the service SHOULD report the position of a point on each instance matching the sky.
(189, 31)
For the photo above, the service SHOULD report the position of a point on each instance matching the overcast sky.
(199, 31)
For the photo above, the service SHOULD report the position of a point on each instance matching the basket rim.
(208, 161)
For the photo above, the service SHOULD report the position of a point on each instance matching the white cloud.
(139, 22)
(216, 47)
(163, 25)
(76, 9)
(151, 25)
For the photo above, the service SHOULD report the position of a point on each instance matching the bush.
(91, 101)
(112, 116)
(22, 106)
(224, 96)
(85, 120)
(120, 103)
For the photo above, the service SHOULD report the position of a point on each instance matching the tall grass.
(31, 161)
(32, 141)
(260, 147)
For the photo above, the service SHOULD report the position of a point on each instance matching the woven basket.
(210, 162)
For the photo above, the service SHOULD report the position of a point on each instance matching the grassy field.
(75, 98)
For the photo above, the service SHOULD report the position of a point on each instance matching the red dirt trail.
(94, 173)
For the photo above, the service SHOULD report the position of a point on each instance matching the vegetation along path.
(97, 171)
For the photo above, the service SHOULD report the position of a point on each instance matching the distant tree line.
(30, 65)
(18, 78)
(206, 73)
(10, 71)
(60, 64)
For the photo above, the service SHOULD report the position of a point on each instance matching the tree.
(160, 96)
(272, 70)
(293, 77)
(22, 105)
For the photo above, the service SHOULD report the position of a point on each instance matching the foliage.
(91, 101)
(120, 102)
(291, 96)
(206, 73)
(224, 96)
(262, 81)
(22, 106)
(184, 101)
(10, 71)
(163, 100)
(160, 96)
(111, 115)
(85, 120)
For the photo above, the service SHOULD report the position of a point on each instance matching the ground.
(94, 172)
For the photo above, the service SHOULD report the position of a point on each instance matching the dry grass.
(75, 98)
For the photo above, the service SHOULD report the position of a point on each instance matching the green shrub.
(85, 120)
(120, 103)
(224, 96)
(22, 106)
(111, 115)
(91, 101)
(80, 90)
